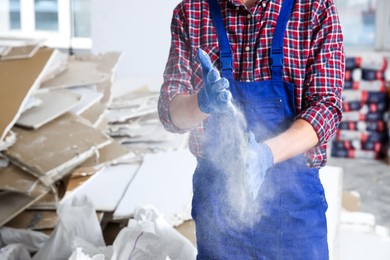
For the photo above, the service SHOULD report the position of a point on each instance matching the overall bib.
(290, 210)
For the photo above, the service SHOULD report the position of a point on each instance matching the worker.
(280, 62)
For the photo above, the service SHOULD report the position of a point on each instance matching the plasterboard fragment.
(113, 180)
(156, 184)
(94, 114)
(78, 73)
(34, 220)
(21, 52)
(89, 97)
(54, 104)
(56, 148)
(8, 141)
(20, 88)
(15, 179)
(110, 154)
(12, 203)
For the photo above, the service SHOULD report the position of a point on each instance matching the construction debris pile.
(64, 134)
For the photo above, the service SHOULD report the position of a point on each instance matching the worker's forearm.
(184, 111)
(299, 138)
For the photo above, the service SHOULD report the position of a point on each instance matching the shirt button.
(263, 4)
(247, 48)
(249, 16)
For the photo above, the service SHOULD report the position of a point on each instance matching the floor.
(371, 179)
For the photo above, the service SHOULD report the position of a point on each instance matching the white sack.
(77, 219)
(14, 252)
(149, 236)
(32, 240)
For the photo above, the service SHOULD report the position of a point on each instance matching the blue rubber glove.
(259, 160)
(214, 97)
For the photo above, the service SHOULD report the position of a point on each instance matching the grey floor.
(371, 178)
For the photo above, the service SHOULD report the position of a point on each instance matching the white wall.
(140, 30)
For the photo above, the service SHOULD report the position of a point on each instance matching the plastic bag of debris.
(14, 252)
(149, 236)
(30, 239)
(76, 220)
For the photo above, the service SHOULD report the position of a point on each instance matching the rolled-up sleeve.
(177, 74)
(322, 97)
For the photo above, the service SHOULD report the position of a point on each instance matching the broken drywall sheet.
(21, 52)
(94, 114)
(78, 73)
(89, 97)
(156, 183)
(54, 104)
(34, 220)
(132, 105)
(56, 148)
(123, 114)
(4, 50)
(12, 203)
(21, 188)
(106, 188)
(58, 66)
(20, 88)
(8, 141)
(106, 62)
(32, 102)
(13, 178)
(110, 154)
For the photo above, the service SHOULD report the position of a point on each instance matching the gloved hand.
(259, 160)
(214, 97)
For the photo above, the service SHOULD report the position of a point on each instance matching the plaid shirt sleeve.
(178, 73)
(322, 103)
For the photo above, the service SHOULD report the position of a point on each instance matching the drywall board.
(89, 95)
(122, 115)
(106, 88)
(13, 178)
(54, 104)
(19, 79)
(110, 154)
(131, 106)
(12, 203)
(81, 175)
(78, 73)
(21, 52)
(48, 202)
(34, 220)
(51, 151)
(8, 141)
(106, 188)
(164, 180)
(94, 114)
(58, 66)
(4, 50)
(32, 101)
(107, 61)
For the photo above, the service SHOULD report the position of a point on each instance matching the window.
(63, 23)
(365, 23)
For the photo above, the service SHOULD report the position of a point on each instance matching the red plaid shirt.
(313, 49)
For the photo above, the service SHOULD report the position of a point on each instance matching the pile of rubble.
(61, 126)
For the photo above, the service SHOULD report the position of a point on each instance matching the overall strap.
(226, 54)
(276, 52)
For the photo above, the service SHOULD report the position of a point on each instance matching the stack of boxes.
(363, 132)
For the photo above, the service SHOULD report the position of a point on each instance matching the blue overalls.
(290, 220)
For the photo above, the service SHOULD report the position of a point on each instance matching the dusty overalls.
(290, 222)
